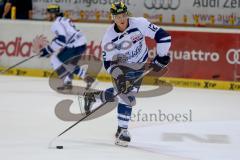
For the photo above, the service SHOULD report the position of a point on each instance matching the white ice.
(28, 123)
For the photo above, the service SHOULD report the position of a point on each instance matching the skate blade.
(121, 143)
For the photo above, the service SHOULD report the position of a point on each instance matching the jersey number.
(153, 27)
(104, 55)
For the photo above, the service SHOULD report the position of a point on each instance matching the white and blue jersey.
(66, 35)
(131, 43)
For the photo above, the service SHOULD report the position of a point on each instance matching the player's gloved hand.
(121, 83)
(44, 53)
(89, 80)
(159, 63)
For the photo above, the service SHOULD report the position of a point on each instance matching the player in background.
(125, 55)
(65, 49)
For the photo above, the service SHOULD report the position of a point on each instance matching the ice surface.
(28, 123)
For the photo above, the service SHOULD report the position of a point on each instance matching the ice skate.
(122, 137)
(89, 100)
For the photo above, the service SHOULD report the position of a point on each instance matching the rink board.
(196, 53)
(177, 82)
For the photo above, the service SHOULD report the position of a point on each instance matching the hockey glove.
(121, 83)
(89, 80)
(159, 63)
(38, 43)
(44, 53)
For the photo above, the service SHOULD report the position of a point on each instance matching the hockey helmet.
(118, 8)
(53, 8)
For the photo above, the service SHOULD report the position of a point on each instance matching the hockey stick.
(97, 108)
(37, 44)
(25, 60)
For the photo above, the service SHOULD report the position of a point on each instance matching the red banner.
(198, 55)
(203, 55)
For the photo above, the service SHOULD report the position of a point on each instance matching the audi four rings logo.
(124, 45)
(233, 56)
(162, 4)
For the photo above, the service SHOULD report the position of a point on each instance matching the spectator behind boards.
(5, 8)
(23, 9)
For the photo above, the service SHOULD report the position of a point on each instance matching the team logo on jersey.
(134, 53)
(136, 38)
(124, 45)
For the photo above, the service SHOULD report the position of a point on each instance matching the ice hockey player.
(65, 49)
(125, 55)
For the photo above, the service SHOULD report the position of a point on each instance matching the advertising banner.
(195, 53)
(221, 12)
(203, 55)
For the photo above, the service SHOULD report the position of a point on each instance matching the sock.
(124, 115)
(107, 95)
(80, 72)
